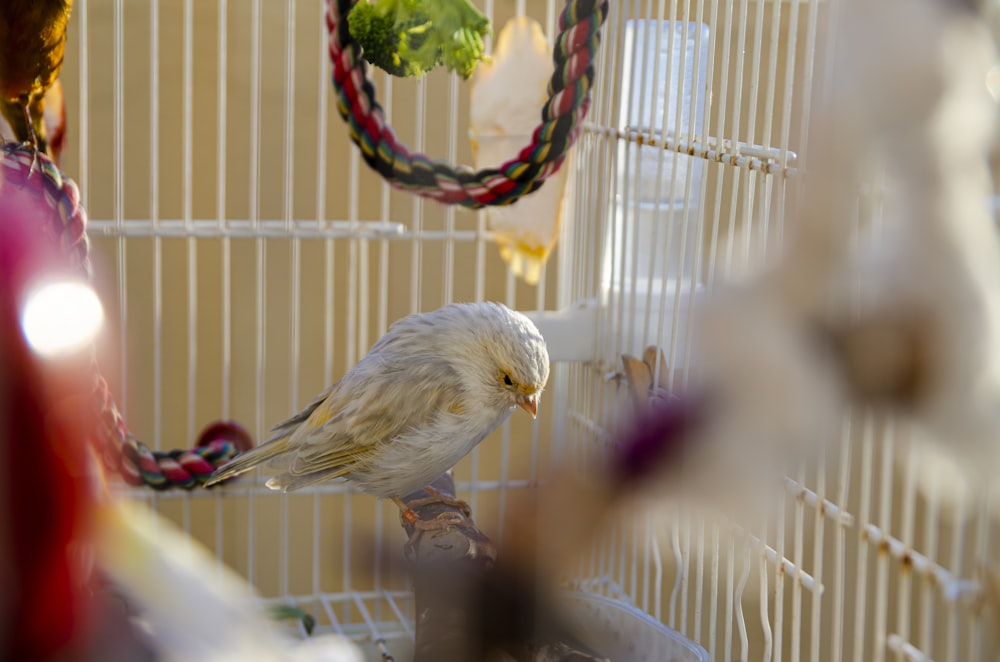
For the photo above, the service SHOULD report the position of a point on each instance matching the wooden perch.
(455, 536)
(466, 609)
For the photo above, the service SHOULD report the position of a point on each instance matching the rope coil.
(562, 116)
(63, 221)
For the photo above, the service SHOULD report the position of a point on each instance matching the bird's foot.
(442, 522)
(405, 512)
(439, 497)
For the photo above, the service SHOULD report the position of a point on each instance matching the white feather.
(193, 607)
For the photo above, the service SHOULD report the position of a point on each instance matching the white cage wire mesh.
(249, 259)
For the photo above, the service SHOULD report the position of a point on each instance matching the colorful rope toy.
(63, 220)
(562, 116)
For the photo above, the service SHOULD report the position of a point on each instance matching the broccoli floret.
(411, 37)
(380, 28)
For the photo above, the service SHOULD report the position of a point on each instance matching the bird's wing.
(273, 452)
(290, 424)
(359, 416)
(316, 458)
(317, 445)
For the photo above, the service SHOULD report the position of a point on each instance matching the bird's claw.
(439, 497)
(442, 522)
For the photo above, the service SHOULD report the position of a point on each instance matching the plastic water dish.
(623, 633)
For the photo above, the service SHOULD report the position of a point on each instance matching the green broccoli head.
(376, 28)
(411, 37)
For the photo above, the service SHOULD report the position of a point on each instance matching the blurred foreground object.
(899, 311)
(46, 498)
(32, 43)
(47, 204)
(47, 608)
(470, 608)
(505, 106)
(59, 526)
(61, 318)
(915, 315)
(647, 378)
(449, 566)
(192, 607)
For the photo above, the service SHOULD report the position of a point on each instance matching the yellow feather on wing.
(324, 447)
(248, 460)
(318, 463)
(272, 453)
(506, 101)
(328, 459)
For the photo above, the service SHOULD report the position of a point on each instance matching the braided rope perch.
(38, 176)
(562, 116)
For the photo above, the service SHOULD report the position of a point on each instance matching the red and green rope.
(63, 221)
(561, 119)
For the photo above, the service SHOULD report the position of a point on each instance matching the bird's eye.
(507, 380)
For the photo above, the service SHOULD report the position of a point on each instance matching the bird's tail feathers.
(287, 482)
(248, 460)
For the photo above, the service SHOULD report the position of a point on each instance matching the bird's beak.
(528, 403)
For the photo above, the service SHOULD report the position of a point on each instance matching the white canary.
(434, 386)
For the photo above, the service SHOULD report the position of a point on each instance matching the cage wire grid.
(248, 260)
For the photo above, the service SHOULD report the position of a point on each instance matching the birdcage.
(248, 257)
